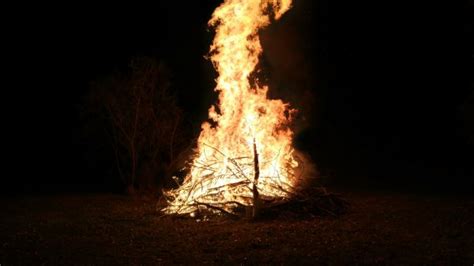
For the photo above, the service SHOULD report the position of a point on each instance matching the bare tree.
(143, 120)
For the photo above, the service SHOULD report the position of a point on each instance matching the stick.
(255, 181)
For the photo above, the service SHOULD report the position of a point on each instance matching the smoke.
(287, 62)
(287, 66)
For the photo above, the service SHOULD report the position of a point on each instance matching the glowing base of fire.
(231, 190)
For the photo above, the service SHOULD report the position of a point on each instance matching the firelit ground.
(110, 229)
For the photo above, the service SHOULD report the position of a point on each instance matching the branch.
(255, 181)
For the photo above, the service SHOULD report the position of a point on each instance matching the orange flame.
(222, 171)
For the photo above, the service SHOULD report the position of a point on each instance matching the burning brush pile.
(244, 158)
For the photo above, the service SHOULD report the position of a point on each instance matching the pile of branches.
(241, 192)
(311, 202)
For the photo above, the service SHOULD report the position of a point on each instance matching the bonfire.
(244, 156)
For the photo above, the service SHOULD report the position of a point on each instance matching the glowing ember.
(223, 172)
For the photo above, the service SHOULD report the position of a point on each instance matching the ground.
(380, 228)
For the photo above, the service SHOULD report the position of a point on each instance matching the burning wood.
(229, 192)
(250, 135)
(255, 181)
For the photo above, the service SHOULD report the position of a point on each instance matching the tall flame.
(222, 172)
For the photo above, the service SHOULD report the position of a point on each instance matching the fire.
(245, 125)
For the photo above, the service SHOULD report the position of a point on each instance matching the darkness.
(382, 84)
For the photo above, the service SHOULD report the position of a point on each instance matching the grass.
(113, 229)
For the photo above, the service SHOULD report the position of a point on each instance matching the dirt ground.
(380, 228)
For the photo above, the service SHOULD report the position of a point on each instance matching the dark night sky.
(386, 80)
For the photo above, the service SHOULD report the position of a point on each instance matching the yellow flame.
(222, 171)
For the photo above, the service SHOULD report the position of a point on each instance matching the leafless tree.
(143, 121)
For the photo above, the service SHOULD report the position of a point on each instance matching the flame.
(222, 172)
